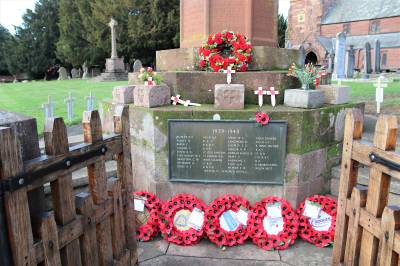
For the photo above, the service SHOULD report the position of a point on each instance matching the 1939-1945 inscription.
(227, 151)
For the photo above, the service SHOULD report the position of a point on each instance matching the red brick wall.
(392, 55)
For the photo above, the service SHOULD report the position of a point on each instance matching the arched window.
(311, 57)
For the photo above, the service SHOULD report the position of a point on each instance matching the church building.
(314, 25)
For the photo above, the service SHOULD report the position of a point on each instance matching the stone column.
(340, 54)
(350, 62)
(302, 58)
(367, 60)
(377, 52)
(112, 25)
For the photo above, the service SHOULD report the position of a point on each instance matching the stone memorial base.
(335, 94)
(310, 139)
(304, 98)
(115, 70)
(198, 86)
(123, 94)
(152, 96)
(229, 96)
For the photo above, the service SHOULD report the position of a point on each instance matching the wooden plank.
(117, 218)
(56, 143)
(124, 260)
(16, 203)
(378, 186)
(125, 173)
(92, 133)
(358, 200)
(88, 240)
(390, 223)
(48, 234)
(348, 179)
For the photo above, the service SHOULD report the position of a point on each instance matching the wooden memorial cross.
(272, 92)
(90, 102)
(70, 107)
(260, 92)
(379, 93)
(229, 73)
(48, 108)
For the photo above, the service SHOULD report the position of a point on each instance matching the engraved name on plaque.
(227, 151)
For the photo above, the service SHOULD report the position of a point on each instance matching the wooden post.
(378, 186)
(124, 172)
(49, 236)
(358, 200)
(92, 132)
(390, 223)
(56, 143)
(348, 179)
(16, 203)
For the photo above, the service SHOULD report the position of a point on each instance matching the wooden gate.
(366, 227)
(95, 228)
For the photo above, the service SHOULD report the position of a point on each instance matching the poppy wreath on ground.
(273, 224)
(319, 231)
(147, 221)
(227, 218)
(177, 225)
(226, 49)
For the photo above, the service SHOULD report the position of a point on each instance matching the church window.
(374, 27)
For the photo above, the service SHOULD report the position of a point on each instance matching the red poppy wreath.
(273, 224)
(227, 218)
(317, 220)
(183, 219)
(226, 49)
(148, 208)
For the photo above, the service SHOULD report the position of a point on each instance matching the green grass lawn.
(27, 98)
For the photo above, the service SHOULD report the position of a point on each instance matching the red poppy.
(262, 118)
(150, 228)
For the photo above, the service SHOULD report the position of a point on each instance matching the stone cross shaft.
(229, 73)
(48, 108)
(379, 93)
(90, 102)
(260, 92)
(70, 106)
(272, 92)
(113, 23)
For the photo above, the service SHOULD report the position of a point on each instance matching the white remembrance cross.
(70, 106)
(176, 99)
(272, 92)
(379, 93)
(90, 102)
(48, 108)
(229, 73)
(260, 92)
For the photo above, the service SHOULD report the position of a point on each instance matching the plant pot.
(152, 96)
(335, 94)
(307, 99)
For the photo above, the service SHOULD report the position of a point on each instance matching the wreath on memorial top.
(226, 49)
(227, 218)
(147, 216)
(273, 224)
(317, 220)
(182, 219)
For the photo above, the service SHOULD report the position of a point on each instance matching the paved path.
(160, 252)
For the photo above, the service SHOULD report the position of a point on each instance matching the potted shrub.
(151, 93)
(307, 96)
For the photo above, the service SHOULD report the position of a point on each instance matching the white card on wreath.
(311, 209)
(196, 219)
(138, 203)
(242, 217)
(228, 221)
(274, 210)
(273, 226)
(322, 223)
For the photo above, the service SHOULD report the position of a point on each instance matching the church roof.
(388, 40)
(354, 10)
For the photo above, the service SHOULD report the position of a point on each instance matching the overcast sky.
(11, 11)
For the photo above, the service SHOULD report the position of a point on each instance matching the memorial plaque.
(227, 151)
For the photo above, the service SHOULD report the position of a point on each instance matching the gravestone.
(62, 73)
(350, 59)
(229, 96)
(123, 94)
(331, 58)
(377, 52)
(85, 74)
(302, 57)
(137, 65)
(152, 96)
(367, 60)
(75, 73)
(340, 55)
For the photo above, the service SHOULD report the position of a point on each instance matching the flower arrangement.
(273, 224)
(227, 220)
(226, 49)
(308, 75)
(148, 223)
(320, 231)
(146, 73)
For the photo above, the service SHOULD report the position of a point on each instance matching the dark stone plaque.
(227, 151)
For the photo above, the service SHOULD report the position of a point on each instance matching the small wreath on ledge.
(148, 208)
(273, 224)
(227, 218)
(317, 220)
(183, 219)
(226, 49)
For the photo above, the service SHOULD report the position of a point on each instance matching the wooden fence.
(366, 227)
(94, 228)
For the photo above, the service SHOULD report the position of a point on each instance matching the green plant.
(147, 73)
(307, 75)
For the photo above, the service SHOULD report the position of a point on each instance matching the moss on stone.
(333, 151)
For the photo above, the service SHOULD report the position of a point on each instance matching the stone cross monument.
(113, 23)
